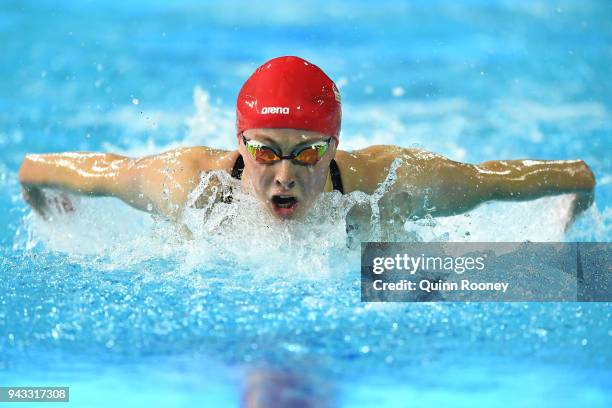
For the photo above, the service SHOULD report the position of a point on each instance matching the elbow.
(588, 177)
(125, 183)
(26, 170)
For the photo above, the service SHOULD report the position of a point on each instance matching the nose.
(284, 176)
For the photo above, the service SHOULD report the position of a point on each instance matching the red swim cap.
(289, 92)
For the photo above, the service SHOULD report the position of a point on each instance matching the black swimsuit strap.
(238, 167)
(334, 172)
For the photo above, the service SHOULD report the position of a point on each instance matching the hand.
(43, 204)
(582, 199)
(580, 203)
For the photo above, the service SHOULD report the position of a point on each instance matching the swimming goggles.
(307, 155)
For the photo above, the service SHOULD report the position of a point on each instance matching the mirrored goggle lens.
(307, 156)
(262, 154)
(311, 154)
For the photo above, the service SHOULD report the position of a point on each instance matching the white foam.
(242, 233)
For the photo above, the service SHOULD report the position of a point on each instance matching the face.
(287, 190)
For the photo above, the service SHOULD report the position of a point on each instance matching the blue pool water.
(110, 302)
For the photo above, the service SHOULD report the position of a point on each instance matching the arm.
(157, 184)
(445, 187)
(528, 179)
(80, 173)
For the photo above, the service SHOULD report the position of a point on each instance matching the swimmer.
(287, 135)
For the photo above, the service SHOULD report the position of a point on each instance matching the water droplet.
(342, 81)
(293, 348)
(397, 91)
(541, 332)
(55, 333)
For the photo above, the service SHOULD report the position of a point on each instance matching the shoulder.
(208, 159)
(364, 169)
(182, 166)
(191, 159)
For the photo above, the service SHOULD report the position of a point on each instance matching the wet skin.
(301, 183)
(425, 183)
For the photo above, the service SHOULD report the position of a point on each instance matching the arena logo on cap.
(275, 109)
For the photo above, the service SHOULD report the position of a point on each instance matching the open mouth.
(281, 201)
(284, 206)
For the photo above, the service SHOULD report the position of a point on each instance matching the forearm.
(431, 184)
(157, 184)
(529, 179)
(82, 173)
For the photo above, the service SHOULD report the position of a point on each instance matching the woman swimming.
(288, 131)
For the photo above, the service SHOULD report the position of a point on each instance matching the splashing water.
(256, 291)
(111, 298)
